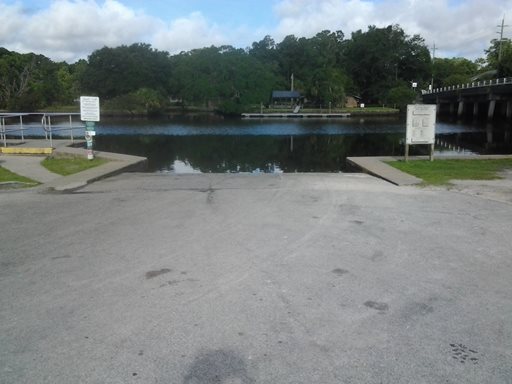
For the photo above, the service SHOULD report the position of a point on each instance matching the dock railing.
(58, 122)
(11, 123)
(15, 124)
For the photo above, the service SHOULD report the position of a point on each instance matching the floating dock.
(291, 115)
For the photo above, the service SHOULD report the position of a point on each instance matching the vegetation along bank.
(374, 67)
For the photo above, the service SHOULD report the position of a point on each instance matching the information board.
(89, 108)
(421, 124)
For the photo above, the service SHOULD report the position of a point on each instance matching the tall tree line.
(378, 65)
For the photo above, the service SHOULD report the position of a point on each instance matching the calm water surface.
(183, 145)
(211, 144)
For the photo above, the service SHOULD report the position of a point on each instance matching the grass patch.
(8, 177)
(69, 165)
(440, 172)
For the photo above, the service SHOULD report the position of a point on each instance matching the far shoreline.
(194, 112)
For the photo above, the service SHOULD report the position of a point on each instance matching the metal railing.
(58, 122)
(6, 127)
(474, 84)
(15, 124)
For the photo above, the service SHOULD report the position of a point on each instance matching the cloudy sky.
(72, 29)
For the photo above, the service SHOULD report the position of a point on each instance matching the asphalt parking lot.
(295, 278)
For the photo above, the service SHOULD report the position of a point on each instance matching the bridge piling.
(492, 108)
(460, 110)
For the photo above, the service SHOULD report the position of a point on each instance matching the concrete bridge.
(490, 97)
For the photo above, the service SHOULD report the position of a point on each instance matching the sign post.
(89, 113)
(421, 127)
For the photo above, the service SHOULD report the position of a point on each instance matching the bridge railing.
(474, 84)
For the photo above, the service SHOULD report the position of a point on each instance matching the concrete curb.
(376, 166)
(26, 151)
(118, 163)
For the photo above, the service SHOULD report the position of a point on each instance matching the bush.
(231, 108)
(143, 101)
(401, 96)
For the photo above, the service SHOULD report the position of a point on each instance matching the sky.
(68, 30)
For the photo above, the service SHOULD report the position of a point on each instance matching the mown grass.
(441, 172)
(69, 165)
(7, 176)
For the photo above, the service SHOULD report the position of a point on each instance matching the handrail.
(478, 84)
(48, 126)
(5, 129)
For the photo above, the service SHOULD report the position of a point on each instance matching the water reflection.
(272, 154)
(179, 166)
(188, 146)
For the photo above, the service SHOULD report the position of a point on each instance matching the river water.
(203, 144)
(187, 144)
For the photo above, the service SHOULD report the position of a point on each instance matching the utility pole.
(502, 27)
(433, 58)
(291, 78)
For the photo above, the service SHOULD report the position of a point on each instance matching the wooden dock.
(291, 115)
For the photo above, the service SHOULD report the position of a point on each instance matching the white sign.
(421, 124)
(89, 108)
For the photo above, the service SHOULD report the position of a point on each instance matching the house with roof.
(285, 98)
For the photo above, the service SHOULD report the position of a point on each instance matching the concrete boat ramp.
(273, 279)
(233, 278)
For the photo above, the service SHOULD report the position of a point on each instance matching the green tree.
(77, 71)
(144, 101)
(315, 64)
(221, 77)
(264, 50)
(499, 57)
(117, 71)
(381, 58)
(401, 95)
(28, 81)
(453, 71)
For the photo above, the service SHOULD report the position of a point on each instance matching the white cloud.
(10, 20)
(184, 34)
(72, 29)
(306, 18)
(459, 28)
(69, 30)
